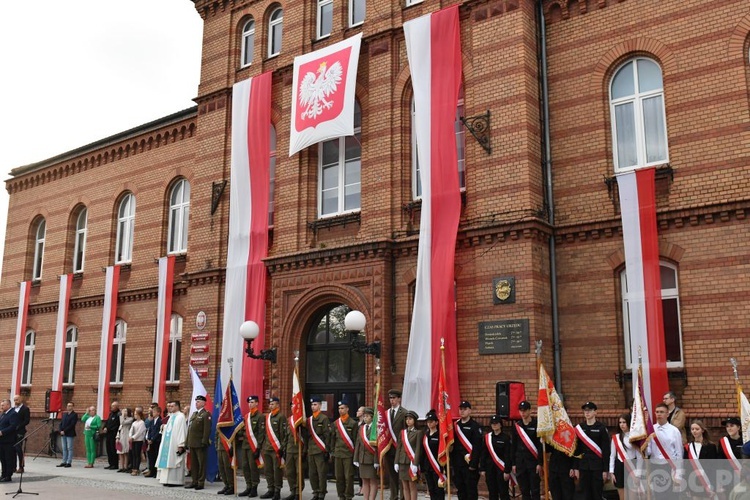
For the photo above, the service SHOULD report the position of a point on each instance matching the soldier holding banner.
(319, 428)
(291, 454)
(343, 436)
(593, 448)
(274, 428)
(249, 443)
(526, 453)
(495, 459)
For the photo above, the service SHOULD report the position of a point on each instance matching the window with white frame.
(412, 2)
(248, 42)
(28, 358)
(324, 18)
(670, 305)
(79, 247)
(71, 346)
(125, 227)
(117, 360)
(39, 234)
(416, 178)
(356, 12)
(339, 165)
(179, 215)
(639, 125)
(175, 349)
(275, 27)
(271, 176)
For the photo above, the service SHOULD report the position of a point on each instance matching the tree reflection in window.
(329, 357)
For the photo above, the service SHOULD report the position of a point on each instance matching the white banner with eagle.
(323, 94)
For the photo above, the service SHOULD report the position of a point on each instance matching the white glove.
(467, 457)
(377, 466)
(395, 467)
(413, 469)
(356, 464)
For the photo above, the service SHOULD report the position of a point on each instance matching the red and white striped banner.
(23, 312)
(640, 239)
(434, 48)
(109, 315)
(245, 292)
(163, 324)
(61, 332)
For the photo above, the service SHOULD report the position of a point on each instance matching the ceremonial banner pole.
(544, 442)
(380, 455)
(447, 452)
(298, 433)
(737, 386)
(233, 462)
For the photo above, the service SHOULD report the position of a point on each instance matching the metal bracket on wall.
(217, 189)
(479, 127)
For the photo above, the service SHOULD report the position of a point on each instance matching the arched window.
(272, 176)
(71, 346)
(329, 354)
(79, 247)
(639, 125)
(324, 18)
(339, 169)
(179, 214)
(670, 305)
(275, 26)
(125, 227)
(175, 349)
(28, 358)
(39, 234)
(248, 42)
(117, 361)
(416, 178)
(356, 12)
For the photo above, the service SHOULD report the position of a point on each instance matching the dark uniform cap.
(464, 404)
(394, 392)
(431, 415)
(412, 414)
(524, 405)
(732, 420)
(273, 398)
(343, 403)
(495, 419)
(368, 410)
(315, 399)
(588, 405)
(250, 399)
(200, 398)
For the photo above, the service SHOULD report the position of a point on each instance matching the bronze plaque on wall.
(504, 337)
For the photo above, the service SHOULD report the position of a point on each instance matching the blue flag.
(212, 463)
(230, 417)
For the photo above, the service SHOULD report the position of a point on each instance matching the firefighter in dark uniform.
(561, 485)
(732, 442)
(274, 429)
(343, 455)
(198, 439)
(430, 447)
(495, 460)
(226, 471)
(593, 466)
(465, 453)
(250, 469)
(291, 453)
(527, 465)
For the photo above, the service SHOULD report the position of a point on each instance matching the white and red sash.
(391, 432)
(344, 435)
(252, 440)
(432, 459)
(527, 441)
(698, 468)
(366, 441)
(664, 452)
(491, 449)
(314, 435)
(409, 452)
(727, 447)
(622, 455)
(273, 438)
(588, 441)
(462, 438)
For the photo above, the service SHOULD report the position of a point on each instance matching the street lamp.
(355, 322)
(249, 331)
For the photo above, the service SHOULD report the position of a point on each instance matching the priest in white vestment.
(171, 460)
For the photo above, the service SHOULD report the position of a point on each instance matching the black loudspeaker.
(507, 396)
(52, 401)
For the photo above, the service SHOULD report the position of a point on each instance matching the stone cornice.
(321, 257)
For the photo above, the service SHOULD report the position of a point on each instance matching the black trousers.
(436, 492)
(466, 481)
(112, 448)
(592, 484)
(7, 459)
(19, 449)
(153, 452)
(528, 481)
(561, 485)
(135, 459)
(497, 486)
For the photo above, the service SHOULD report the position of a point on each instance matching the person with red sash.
(274, 430)
(526, 453)
(593, 447)
(291, 453)
(395, 424)
(250, 441)
(665, 451)
(561, 484)
(365, 456)
(431, 469)
(465, 453)
(343, 436)
(699, 449)
(319, 428)
(730, 446)
(408, 456)
(495, 459)
(623, 457)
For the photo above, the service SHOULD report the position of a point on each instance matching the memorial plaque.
(198, 349)
(504, 337)
(199, 336)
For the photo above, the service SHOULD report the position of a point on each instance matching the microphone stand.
(20, 441)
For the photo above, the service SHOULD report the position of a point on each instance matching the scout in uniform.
(249, 442)
(594, 449)
(292, 452)
(319, 428)
(408, 456)
(495, 459)
(365, 456)
(526, 453)
(394, 425)
(465, 453)
(274, 428)
(343, 436)
(198, 439)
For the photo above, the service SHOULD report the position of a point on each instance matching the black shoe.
(277, 495)
(245, 493)
(293, 496)
(61, 465)
(253, 492)
(68, 465)
(267, 494)
(199, 487)
(229, 492)
(189, 486)
(222, 491)
(4, 479)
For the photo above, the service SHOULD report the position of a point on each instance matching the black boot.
(253, 492)
(245, 493)
(293, 496)
(267, 494)
(277, 495)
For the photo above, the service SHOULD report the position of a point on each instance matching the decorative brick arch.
(736, 46)
(669, 251)
(640, 45)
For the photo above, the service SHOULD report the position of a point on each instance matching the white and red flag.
(323, 94)
(245, 292)
(198, 390)
(298, 403)
(23, 312)
(61, 332)
(109, 315)
(434, 48)
(163, 324)
(640, 238)
(553, 423)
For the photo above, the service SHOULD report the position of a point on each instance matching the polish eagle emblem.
(315, 91)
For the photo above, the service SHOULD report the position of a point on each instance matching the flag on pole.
(553, 424)
(744, 413)
(198, 390)
(323, 94)
(109, 315)
(642, 272)
(212, 463)
(298, 402)
(383, 436)
(163, 325)
(641, 427)
(23, 311)
(61, 332)
(434, 50)
(230, 419)
(445, 421)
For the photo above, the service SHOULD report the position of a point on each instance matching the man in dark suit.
(8, 431)
(111, 426)
(395, 423)
(24, 417)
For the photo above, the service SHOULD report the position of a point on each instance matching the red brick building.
(674, 77)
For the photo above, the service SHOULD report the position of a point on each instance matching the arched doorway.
(333, 371)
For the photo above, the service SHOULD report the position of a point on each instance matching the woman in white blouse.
(623, 449)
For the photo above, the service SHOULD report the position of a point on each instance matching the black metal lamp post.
(249, 331)
(355, 322)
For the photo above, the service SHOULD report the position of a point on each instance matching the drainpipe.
(550, 200)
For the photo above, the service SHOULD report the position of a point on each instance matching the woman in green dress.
(91, 425)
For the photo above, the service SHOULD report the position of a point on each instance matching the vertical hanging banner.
(109, 314)
(245, 289)
(433, 45)
(61, 331)
(163, 324)
(23, 311)
(640, 239)
(323, 94)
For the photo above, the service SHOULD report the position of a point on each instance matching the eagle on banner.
(313, 90)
